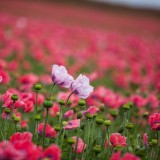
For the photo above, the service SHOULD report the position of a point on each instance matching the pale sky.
(135, 3)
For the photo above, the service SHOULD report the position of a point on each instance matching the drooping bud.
(37, 117)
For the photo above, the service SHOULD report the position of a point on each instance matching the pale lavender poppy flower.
(60, 76)
(81, 86)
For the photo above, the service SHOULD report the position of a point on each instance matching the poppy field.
(78, 85)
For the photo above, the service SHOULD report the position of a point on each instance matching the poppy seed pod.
(47, 104)
(37, 86)
(14, 97)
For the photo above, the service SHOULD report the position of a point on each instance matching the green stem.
(15, 127)
(44, 129)
(77, 138)
(50, 92)
(62, 139)
(36, 100)
(69, 98)
(70, 153)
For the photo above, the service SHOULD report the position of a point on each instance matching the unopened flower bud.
(145, 115)
(81, 102)
(114, 112)
(126, 107)
(154, 142)
(97, 148)
(79, 115)
(107, 122)
(99, 121)
(129, 125)
(37, 86)
(16, 119)
(14, 97)
(64, 123)
(89, 116)
(47, 104)
(37, 117)
(7, 110)
(58, 114)
(61, 102)
(70, 141)
(57, 128)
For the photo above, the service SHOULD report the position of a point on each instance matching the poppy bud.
(89, 116)
(37, 117)
(79, 115)
(57, 128)
(107, 122)
(64, 123)
(145, 115)
(99, 121)
(7, 110)
(47, 104)
(37, 86)
(58, 114)
(16, 119)
(97, 148)
(81, 102)
(154, 142)
(70, 141)
(129, 125)
(14, 97)
(114, 112)
(126, 107)
(61, 102)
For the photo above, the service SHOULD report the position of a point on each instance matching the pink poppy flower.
(81, 86)
(50, 132)
(68, 114)
(154, 121)
(54, 110)
(80, 146)
(60, 76)
(5, 77)
(117, 139)
(8, 150)
(72, 124)
(20, 137)
(1, 79)
(91, 110)
(127, 156)
(145, 139)
(53, 152)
